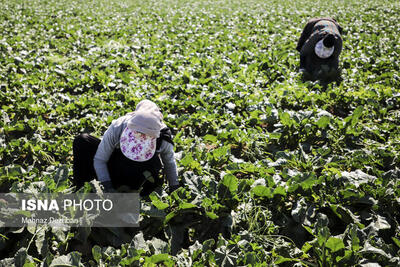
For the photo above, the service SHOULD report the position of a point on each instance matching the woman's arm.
(168, 159)
(307, 31)
(106, 147)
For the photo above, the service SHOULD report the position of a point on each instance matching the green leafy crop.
(276, 170)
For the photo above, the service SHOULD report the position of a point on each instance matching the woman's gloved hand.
(172, 188)
(107, 186)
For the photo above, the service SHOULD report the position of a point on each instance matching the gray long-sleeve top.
(110, 141)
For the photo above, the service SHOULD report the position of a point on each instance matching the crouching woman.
(132, 153)
(320, 45)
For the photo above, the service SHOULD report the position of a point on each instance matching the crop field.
(275, 170)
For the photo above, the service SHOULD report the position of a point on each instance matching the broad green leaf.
(358, 177)
(231, 182)
(308, 183)
(159, 246)
(138, 242)
(221, 152)
(157, 202)
(262, 191)
(355, 241)
(211, 138)
(187, 160)
(381, 223)
(71, 259)
(356, 115)
(345, 214)
(61, 175)
(285, 119)
(160, 258)
(40, 241)
(96, 253)
(211, 215)
(323, 235)
(396, 241)
(280, 191)
(323, 122)
(358, 111)
(186, 206)
(334, 244)
(369, 249)
(306, 247)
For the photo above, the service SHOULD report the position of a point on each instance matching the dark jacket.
(314, 31)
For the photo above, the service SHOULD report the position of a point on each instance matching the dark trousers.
(84, 148)
(123, 171)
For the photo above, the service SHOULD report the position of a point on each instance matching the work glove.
(107, 186)
(172, 188)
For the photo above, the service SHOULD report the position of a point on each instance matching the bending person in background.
(132, 153)
(320, 45)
